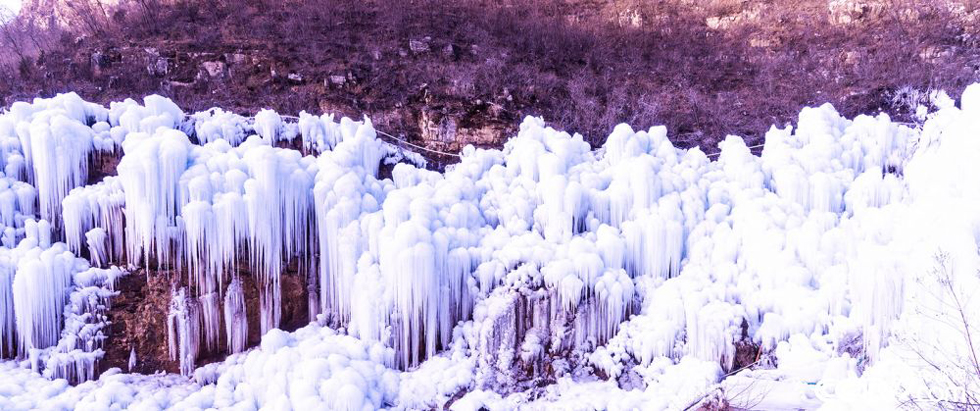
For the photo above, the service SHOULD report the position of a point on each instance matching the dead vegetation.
(455, 72)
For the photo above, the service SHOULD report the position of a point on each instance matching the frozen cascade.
(69, 112)
(217, 200)
(82, 340)
(16, 206)
(345, 190)
(281, 184)
(60, 148)
(216, 123)
(40, 288)
(319, 133)
(93, 217)
(53, 305)
(149, 173)
(180, 213)
(646, 259)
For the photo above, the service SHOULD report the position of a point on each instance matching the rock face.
(65, 13)
(139, 322)
(213, 69)
(139, 319)
(419, 46)
(449, 128)
(155, 64)
(444, 125)
(846, 12)
(437, 127)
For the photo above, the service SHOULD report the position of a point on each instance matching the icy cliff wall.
(631, 258)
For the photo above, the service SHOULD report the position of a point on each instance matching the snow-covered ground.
(546, 274)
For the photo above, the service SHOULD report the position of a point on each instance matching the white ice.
(631, 272)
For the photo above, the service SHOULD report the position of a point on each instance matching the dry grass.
(583, 65)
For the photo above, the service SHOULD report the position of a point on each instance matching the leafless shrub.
(948, 308)
(90, 15)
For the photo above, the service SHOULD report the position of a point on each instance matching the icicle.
(236, 322)
(60, 150)
(408, 262)
(204, 271)
(7, 319)
(654, 244)
(183, 331)
(16, 204)
(157, 112)
(43, 234)
(313, 131)
(210, 312)
(268, 124)
(712, 330)
(98, 206)
(337, 241)
(263, 197)
(96, 240)
(40, 288)
(132, 360)
(216, 123)
(150, 172)
(614, 292)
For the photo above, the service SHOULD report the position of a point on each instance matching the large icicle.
(60, 148)
(150, 171)
(183, 331)
(40, 288)
(236, 322)
(8, 321)
(96, 207)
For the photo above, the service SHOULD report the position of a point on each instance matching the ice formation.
(40, 285)
(236, 323)
(650, 265)
(216, 124)
(80, 347)
(54, 305)
(93, 221)
(55, 143)
(183, 330)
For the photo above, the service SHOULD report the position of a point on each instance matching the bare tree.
(11, 39)
(92, 13)
(953, 361)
